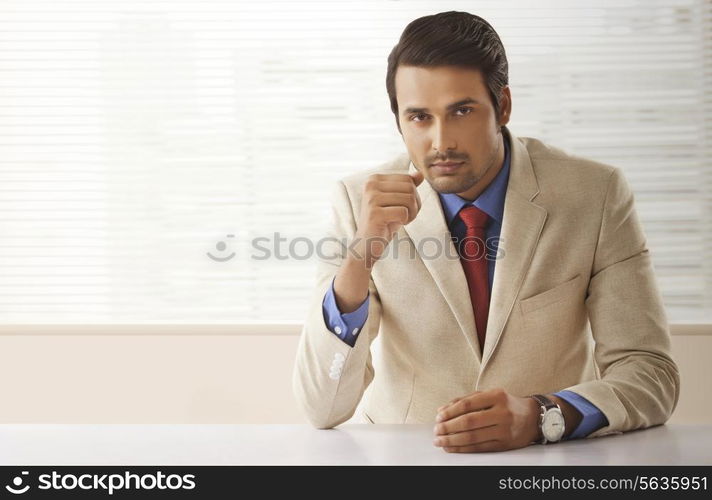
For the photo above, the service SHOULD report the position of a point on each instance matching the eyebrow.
(450, 107)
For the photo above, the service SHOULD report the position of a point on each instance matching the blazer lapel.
(522, 224)
(432, 240)
(521, 227)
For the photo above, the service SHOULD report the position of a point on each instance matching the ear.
(505, 106)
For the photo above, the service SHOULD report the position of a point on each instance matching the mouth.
(447, 166)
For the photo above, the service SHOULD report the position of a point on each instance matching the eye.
(465, 110)
(418, 117)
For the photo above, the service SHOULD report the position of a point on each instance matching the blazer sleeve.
(330, 376)
(639, 383)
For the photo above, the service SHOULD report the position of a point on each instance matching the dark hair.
(450, 39)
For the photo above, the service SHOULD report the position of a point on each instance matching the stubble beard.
(446, 184)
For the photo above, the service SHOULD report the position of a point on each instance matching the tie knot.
(473, 217)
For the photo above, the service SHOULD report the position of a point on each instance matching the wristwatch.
(551, 420)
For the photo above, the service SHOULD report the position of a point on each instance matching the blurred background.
(146, 145)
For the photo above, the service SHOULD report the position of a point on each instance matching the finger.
(393, 227)
(417, 177)
(449, 403)
(393, 199)
(467, 422)
(397, 199)
(476, 448)
(456, 400)
(474, 402)
(396, 187)
(394, 214)
(392, 177)
(467, 438)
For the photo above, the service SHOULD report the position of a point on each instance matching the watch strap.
(544, 401)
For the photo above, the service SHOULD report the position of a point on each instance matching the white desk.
(351, 444)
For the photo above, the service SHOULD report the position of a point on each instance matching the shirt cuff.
(345, 326)
(593, 419)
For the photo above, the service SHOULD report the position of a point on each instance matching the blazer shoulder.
(557, 169)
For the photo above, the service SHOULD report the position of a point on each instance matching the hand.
(389, 202)
(487, 421)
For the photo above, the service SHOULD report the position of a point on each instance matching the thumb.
(417, 177)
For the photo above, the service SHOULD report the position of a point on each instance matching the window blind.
(143, 143)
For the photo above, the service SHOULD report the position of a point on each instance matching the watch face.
(553, 425)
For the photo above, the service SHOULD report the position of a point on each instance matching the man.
(508, 282)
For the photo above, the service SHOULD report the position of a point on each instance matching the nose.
(442, 139)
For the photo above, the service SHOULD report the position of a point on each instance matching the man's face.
(447, 116)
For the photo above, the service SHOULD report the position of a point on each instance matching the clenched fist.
(389, 202)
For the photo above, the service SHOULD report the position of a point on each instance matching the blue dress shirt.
(491, 201)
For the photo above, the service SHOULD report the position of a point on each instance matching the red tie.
(472, 255)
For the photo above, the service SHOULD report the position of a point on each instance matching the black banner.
(234, 481)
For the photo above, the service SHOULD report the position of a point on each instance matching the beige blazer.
(574, 305)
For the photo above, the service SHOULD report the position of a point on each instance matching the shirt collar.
(490, 201)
